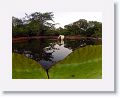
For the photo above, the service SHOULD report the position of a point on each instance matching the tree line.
(41, 24)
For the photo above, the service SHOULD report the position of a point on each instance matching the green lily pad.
(25, 68)
(83, 63)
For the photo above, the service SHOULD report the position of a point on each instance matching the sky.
(64, 18)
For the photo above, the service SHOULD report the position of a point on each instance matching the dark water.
(47, 52)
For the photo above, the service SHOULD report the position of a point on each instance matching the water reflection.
(48, 52)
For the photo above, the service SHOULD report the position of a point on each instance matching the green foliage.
(32, 25)
(41, 20)
(25, 68)
(94, 29)
(85, 28)
(42, 24)
(83, 63)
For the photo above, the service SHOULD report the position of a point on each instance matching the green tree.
(84, 28)
(94, 29)
(42, 24)
(41, 21)
(17, 26)
(16, 22)
(77, 28)
(82, 24)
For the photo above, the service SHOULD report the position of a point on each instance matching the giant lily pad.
(25, 68)
(83, 63)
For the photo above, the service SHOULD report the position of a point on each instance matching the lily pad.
(25, 68)
(83, 63)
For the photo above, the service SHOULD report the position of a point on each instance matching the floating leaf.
(83, 63)
(25, 68)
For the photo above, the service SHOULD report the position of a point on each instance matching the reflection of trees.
(90, 41)
(35, 49)
(43, 49)
(73, 44)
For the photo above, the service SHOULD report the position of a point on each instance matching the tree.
(78, 27)
(17, 26)
(84, 28)
(94, 29)
(41, 21)
(16, 22)
(82, 24)
(42, 24)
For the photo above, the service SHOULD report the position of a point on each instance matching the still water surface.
(48, 51)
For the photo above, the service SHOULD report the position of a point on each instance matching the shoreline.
(17, 39)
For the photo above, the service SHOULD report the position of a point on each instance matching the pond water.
(48, 51)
